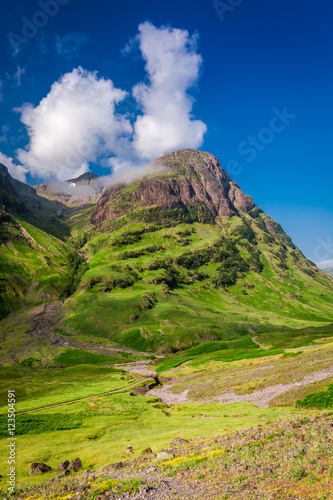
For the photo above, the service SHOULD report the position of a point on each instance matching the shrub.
(245, 231)
(133, 254)
(77, 266)
(128, 238)
(28, 362)
(320, 399)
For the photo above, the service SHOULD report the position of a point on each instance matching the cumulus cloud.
(17, 171)
(173, 65)
(80, 121)
(75, 124)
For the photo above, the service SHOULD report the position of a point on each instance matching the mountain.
(329, 271)
(191, 182)
(84, 179)
(74, 192)
(176, 258)
(326, 266)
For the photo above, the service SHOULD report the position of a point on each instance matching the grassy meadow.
(98, 429)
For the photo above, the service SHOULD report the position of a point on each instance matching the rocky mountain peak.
(85, 178)
(189, 179)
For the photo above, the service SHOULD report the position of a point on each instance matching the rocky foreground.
(290, 459)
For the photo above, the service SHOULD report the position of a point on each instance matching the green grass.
(33, 269)
(321, 399)
(72, 357)
(36, 424)
(226, 356)
(40, 387)
(295, 338)
(98, 434)
(194, 310)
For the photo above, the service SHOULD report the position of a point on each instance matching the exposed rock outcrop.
(39, 468)
(190, 178)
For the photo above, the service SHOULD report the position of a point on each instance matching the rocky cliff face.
(190, 178)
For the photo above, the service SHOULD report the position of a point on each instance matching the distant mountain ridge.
(81, 190)
(329, 271)
(85, 178)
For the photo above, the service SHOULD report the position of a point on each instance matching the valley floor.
(290, 459)
(240, 395)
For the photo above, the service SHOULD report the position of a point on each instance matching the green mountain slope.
(177, 258)
(184, 256)
(36, 254)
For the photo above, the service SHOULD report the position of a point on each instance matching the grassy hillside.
(166, 288)
(35, 265)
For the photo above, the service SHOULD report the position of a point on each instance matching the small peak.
(87, 176)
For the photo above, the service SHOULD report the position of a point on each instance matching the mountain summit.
(192, 181)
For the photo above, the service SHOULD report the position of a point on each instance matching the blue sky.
(246, 62)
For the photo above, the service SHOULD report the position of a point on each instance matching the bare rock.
(63, 466)
(176, 441)
(147, 451)
(117, 465)
(75, 464)
(164, 455)
(190, 178)
(129, 449)
(139, 391)
(38, 468)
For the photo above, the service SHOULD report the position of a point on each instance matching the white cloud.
(73, 125)
(68, 45)
(126, 173)
(17, 171)
(76, 123)
(173, 65)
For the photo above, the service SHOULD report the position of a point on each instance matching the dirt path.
(169, 397)
(260, 345)
(85, 398)
(138, 367)
(263, 397)
(259, 398)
